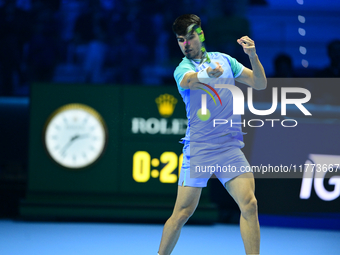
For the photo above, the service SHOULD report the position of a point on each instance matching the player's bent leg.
(242, 189)
(186, 203)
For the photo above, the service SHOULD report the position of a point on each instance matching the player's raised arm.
(256, 77)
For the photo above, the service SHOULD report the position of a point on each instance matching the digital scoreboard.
(106, 152)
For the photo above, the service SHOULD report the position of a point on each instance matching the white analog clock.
(75, 136)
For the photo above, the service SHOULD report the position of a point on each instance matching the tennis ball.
(203, 117)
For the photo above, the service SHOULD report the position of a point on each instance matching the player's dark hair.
(181, 24)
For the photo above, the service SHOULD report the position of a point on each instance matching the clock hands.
(80, 136)
(69, 143)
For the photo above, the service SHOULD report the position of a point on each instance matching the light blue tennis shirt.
(209, 131)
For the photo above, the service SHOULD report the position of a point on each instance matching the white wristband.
(202, 75)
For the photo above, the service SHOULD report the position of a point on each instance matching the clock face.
(75, 136)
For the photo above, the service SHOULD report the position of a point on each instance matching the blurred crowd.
(115, 41)
(324, 92)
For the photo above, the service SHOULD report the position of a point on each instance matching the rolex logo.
(166, 105)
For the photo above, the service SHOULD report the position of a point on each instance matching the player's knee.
(249, 208)
(182, 217)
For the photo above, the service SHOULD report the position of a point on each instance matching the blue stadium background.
(122, 42)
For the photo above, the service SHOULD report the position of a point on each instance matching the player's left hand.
(248, 46)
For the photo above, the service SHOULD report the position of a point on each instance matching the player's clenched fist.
(215, 73)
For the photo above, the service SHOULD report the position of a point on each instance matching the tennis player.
(206, 143)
